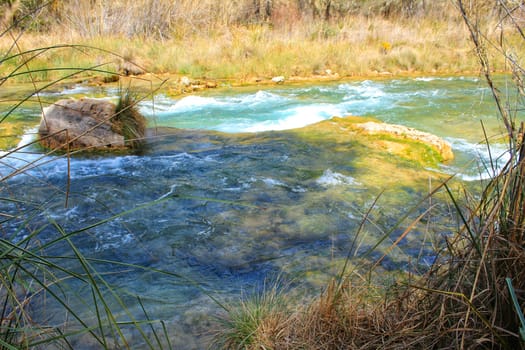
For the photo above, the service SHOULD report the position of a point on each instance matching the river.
(229, 200)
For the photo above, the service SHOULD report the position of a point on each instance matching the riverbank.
(353, 47)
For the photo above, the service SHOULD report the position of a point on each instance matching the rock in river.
(83, 124)
(440, 145)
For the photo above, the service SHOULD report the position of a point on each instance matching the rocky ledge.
(440, 145)
(383, 142)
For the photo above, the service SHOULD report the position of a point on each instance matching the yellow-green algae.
(382, 159)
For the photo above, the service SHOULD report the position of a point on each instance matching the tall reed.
(44, 275)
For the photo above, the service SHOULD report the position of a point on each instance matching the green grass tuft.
(254, 321)
(128, 121)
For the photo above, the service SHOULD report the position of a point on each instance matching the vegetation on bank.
(248, 40)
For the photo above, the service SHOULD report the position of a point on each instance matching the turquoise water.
(450, 107)
(444, 106)
(227, 205)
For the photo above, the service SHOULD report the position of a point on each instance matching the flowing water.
(230, 199)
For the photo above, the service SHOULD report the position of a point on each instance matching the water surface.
(230, 199)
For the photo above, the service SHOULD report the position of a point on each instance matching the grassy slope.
(354, 46)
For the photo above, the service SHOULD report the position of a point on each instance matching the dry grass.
(350, 45)
(353, 47)
(347, 317)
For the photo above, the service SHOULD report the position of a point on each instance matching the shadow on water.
(232, 210)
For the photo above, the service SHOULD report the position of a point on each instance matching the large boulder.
(80, 124)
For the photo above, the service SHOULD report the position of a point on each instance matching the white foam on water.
(483, 161)
(273, 182)
(427, 79)
(126, 165)
(12, 159)
(159, 102)
(299, 189)
(164, 105)
(81, 168)
(494, 151)
(367, 89)
(297, 117)
(112, 241)
(473, 79)
(331, 178)
(183, 156)
(277, 183)
(260, 97)
(195, 102)
(254, 112)
(77, 89)
(431, 93)
(29, 136)
(315, 89)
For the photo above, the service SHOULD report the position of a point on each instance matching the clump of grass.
(128, 121)
(357, 316)
(254, 323)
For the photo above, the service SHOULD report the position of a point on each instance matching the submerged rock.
(381, 143)
(80, 124)
(440, 145)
